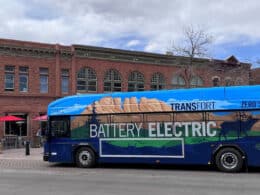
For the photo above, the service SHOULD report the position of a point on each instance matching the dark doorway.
(18, 128)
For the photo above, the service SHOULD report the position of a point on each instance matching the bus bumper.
(46, 157)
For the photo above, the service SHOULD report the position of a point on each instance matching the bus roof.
(195, 99)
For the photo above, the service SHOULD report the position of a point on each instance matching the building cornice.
(40, 50)
(22, 51)
(91, 52)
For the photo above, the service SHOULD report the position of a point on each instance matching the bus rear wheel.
(85, 157)
(229, 160)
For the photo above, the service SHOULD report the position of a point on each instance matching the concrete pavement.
(19, 154)
(21, 174)
(17, 160)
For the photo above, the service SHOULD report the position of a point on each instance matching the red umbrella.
(11, 118)
(40, 118)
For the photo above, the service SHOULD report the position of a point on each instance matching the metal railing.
(12, 141)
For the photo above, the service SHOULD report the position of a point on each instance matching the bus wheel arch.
(229, 158)
(85, 157)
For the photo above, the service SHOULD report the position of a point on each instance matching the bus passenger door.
(59, 145)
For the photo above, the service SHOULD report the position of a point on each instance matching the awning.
(11, 118)
(40, 118)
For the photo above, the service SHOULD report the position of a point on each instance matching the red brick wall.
(33, 102)
(255, 76)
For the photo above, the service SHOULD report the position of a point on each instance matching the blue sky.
(245, 53)
(143, 25)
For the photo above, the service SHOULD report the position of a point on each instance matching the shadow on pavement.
(194, 168)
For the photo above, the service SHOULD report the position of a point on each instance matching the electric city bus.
(217, 126)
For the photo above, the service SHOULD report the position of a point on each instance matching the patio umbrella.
(10, 118)
(40, 118)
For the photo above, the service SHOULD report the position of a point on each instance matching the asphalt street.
(29, 176)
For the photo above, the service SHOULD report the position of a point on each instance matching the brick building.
(255, 76)
(34, 74)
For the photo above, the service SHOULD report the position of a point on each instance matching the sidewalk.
(19, 154)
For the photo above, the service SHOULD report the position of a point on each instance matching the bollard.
(27, 148)
(1, 148)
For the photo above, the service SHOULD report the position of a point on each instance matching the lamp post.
(19, 123)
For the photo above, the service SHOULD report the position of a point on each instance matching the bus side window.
(188, 117)
(223, 116)
(256, 115)
(159, 117)
(60, 128)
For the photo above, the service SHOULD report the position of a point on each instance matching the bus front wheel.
(85, 157)
(229, 160)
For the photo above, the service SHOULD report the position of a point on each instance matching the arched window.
(112, 81)
(157, 81)
(228, 81)
(178, 82)
(239, 81)
(136, 81)
(86, 80)
(215, 81)
(196, 81)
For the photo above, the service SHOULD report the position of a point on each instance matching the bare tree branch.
(195, 44)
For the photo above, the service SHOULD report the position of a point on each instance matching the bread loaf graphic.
(130, 105)
(113, 105)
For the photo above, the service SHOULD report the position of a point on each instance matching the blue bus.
(217, 126)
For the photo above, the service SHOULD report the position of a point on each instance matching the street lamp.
(19, 123)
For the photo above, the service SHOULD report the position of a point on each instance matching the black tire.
(85, 157)
(229, 160)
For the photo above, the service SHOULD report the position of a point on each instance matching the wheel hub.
(85, 157)
(229, 160)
